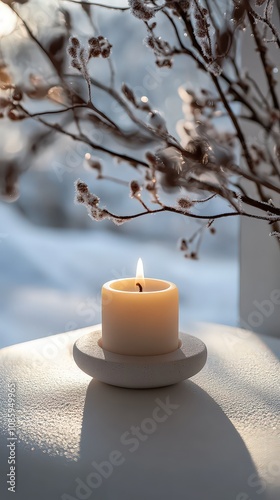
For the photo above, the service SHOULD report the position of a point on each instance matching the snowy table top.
(215, 436)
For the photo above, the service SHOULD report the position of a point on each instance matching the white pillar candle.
(140, 316)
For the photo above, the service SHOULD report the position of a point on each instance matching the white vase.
(259, 278)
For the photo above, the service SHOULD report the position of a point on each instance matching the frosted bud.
(157, 121)
(134, 189)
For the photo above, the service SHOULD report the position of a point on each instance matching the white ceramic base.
(139, 372)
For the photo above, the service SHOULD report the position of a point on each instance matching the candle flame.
(139, 270)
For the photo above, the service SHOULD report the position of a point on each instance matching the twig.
(86, 140)
(262, 52)
(266, 21)
(167, 208)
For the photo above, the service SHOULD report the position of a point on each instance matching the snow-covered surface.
(51, 278)
(219, 440)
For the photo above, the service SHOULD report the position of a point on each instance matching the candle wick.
(140, 287)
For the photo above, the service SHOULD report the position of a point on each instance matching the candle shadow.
(173, 442)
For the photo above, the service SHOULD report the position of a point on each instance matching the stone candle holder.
(139, 372)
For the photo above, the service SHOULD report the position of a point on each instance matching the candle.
(140, 315)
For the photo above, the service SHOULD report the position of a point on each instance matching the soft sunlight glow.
(140, 270)
(13, 143)
(185, 96)
(8, 20)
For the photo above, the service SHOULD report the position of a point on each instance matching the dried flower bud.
(82, 187)
(99, 46)
(93, 163)
(15, 115)
(90, 200)
(128, 93)
(94, 47)
(119, 221)
(93, 200)
(183, 245)
(157, 121)
(201, 33)
(97, 214)
(140, 10)
(95, 52)
(72, 51)
(75, 42)
(79, 198)
(193, 256)
(134, 189)
(17, 94)
(164, 63)
(105, 47)
(185, 203)
(150, 186)
(150, 42)
(93, 42)
(144, 106)
(215, 68)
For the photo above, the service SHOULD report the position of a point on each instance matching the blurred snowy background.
(53, 258)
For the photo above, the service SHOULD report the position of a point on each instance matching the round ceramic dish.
(139, 372)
